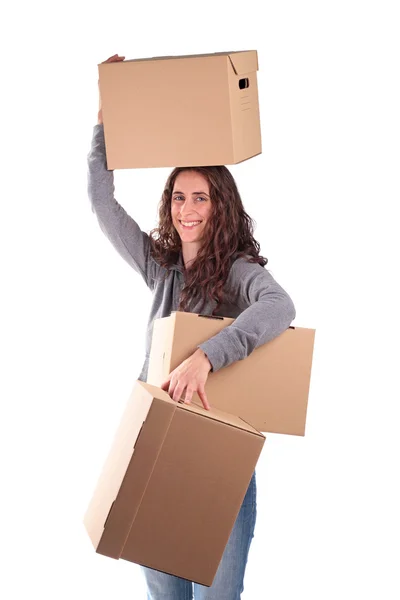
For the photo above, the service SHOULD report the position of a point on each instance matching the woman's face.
(190, 206)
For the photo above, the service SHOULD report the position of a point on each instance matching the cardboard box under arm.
(268, 389)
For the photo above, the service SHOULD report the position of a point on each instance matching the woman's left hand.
(191, 375)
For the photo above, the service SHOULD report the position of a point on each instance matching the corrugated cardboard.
(268, 389)
(173, 485)
(172, 111)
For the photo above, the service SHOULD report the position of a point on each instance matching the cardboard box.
(172, 485)
(268, 389)
(172, 111)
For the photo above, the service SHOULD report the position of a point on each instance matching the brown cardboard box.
(173, 485)
(181, 110)
(269, 389)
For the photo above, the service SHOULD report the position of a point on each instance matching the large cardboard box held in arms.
(181, 110)
(268, 389)
(172, 486)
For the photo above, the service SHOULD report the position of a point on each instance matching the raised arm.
(123, 232)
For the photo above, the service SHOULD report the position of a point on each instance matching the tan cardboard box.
(268, 389)
(181, 110)
(173, 485)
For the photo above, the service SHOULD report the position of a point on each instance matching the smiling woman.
(202, 218)
(201, 258)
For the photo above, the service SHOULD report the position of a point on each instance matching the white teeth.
(190, 223)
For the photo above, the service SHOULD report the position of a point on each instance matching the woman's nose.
(185, 208)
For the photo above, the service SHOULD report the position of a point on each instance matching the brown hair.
(228, 235)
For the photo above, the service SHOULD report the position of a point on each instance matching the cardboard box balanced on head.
(176, 476)
(181, 111)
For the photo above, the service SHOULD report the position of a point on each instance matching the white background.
(73, 314)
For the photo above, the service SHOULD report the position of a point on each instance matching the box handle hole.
(243, 83)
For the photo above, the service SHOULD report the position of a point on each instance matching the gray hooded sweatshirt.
(261, 308)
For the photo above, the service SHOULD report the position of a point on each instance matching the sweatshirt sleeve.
(269, 313)
(122, 231)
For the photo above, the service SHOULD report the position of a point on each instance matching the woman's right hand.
(114, 58)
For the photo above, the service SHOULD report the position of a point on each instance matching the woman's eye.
(179, 198)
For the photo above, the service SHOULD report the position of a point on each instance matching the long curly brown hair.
(228, 235)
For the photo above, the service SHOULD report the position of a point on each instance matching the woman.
(201, 258)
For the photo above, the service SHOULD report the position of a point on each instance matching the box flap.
(220, 416)
(110, 481)
(196, 407)
(244, 62)
(156, 392)
(176, 56)
(143, 456)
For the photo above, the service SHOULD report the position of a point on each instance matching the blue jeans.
(228, 581)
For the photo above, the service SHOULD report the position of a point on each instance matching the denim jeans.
(228, 581)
